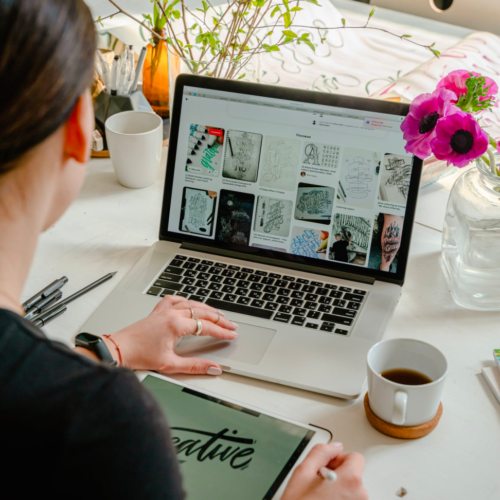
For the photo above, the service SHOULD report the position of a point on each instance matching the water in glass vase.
(471, 239)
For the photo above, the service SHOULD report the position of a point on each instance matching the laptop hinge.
(277, 262)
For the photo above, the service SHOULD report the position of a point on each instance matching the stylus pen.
(53, 315)
(138, 69)
(55, 285)
(327, 474)
(114, 75)
(54, 296)
(71, 298)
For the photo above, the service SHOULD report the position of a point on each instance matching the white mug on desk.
(135, 140)
(400, 403)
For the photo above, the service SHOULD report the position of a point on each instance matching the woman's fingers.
(186, 304)
(209, 329)
(194, 366)
(321, 455)
(211, 315)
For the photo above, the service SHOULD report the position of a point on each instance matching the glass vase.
(471, 239)
(155, 75)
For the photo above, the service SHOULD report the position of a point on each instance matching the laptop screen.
(323, 184)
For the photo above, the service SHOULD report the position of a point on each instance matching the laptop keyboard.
(286, 299)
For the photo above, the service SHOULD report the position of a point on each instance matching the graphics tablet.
(228, 450)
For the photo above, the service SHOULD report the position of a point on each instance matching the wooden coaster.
(105, 153)
(398, 431)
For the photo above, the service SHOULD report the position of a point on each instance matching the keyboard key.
(308, 288)
(345, 289)
(286, 309)
(336, 294)
(230, 281)
(182, 294)
(312, 325)
(313, 314)
(201, 284)
(207, 262)
(261, 273)
(326, 327)
(241, 276)
(269, 297)
(174, 270)
(193, 259)
(281, 283)
(310, 305)
(227, 273)
(282, 300)
(230, 297)
(294, 286)
(214, 286)
(296, 303)
(339, 303)
(299, 321)
(234, 268)
(302, 281)
(239, 308)
(190, 289)
(360, 292)
(202, 268)
(288, 278)
(348, 313)
(254, 278)
(267, 281)
(171, 286)
(330, 286)
(256, 286)
(275, 276)
(227, 289)
(154, 290)
(284, 292)
(354, 305)
(176, 262)
(243, 284)
(181, 257)
(246, 270)
(270, 289)
(337, 319)
(316, 283)
(325, 300)
(220, 264)
(197, 298)
(297, 295)
(341, 332)
(204, 276)
(217, 295)
(167, 292)
(324, 308)
(258, 303)
(216, 279)
(188, 281)
(241, 292)
(190, 274)
(254, 295)
(298, 311)
(174, 278)
(215, 270)
(189, 265)
(353, 297)
(322, 291)
(203, 293)
(271, 306)
(311, 297)
(282, 317)
(244, 300)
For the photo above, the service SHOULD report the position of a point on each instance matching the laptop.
(291, 211)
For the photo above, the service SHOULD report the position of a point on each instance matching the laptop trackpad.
(249, 347)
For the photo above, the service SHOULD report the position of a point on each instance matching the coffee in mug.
(406, 377)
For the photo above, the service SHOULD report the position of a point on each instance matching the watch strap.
(98, 347)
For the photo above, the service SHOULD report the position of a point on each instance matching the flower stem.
(493, 166)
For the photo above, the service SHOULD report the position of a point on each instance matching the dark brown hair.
(46, 62)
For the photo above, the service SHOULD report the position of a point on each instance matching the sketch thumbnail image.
(320, 155)
(386, 240)
(314, 203)
(197, 211)
(359, 176)
(395, 178)
(204, 155)
(350, 239)
(280, 162)
(234, 221)
(309, 242)
(273, 216)
(241, 159)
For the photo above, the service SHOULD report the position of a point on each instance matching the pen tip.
(112, 274)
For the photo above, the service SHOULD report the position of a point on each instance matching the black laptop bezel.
(306, 96)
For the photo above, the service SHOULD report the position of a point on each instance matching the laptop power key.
(239, 308)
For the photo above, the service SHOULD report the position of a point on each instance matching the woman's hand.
(149, 343)
(306, 484)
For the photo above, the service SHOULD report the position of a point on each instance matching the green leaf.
(273, 48)
(308, 43)
(372, 12)
(435, 52)
(343, 22)
(194, 26)
(212, 41)
(276, 9)
(285, 3)
(289, 33)
(205, 6)
(241, 76)
(287, 19)
(215, 20)
(260, 3)
(176, 14)
(296, 9)
(241, 31)
(314, 2)
(199, 38)
(323, 40)
(269, 33)
(305, 36)
(406, 36)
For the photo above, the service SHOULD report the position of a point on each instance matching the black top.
(73, 428)
(340, 250)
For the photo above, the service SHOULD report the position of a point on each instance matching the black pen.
(44, 293)
(54, 296)
(230, 146)
(71, 298)
(42, 321)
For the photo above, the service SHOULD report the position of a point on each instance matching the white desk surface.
(109, 227)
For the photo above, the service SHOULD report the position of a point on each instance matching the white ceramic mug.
(400, 404)
(135, 140)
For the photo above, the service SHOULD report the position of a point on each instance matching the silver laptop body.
(282, 213)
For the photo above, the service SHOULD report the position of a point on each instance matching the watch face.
(87, 338)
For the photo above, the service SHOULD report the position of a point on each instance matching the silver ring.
(199, 327)
(192, 312)
(218, 319)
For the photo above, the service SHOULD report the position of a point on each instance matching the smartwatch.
(96, 345)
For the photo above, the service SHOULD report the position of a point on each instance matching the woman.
(73, 427)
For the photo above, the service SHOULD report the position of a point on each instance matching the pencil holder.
(107, 105)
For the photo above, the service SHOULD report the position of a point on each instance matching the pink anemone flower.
(455, 81)
(459, 139)
(419, 125)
